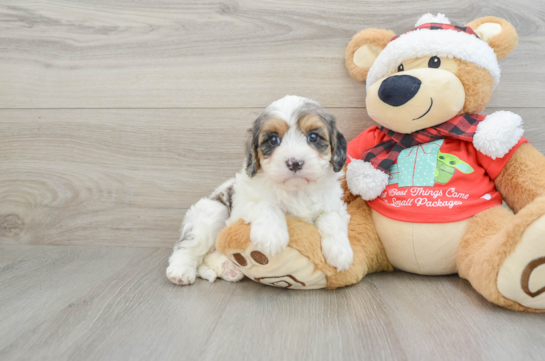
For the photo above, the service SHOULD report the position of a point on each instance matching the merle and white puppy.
(295, 155)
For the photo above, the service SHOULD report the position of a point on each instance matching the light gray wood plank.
(126, 177)
(445, 318)
(38, 282)
(432, 309)
(66, 303)
(388, 316)
(180, 54)
(104, 303)
(275, 324)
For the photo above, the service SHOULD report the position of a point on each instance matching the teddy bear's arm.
(523, 177)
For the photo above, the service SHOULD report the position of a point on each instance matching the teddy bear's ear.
(363, 49)
(497, 32)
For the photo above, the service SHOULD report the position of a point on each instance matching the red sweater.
(437, 182)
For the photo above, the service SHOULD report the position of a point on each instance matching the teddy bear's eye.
(400, 67)
(434, 62)
(452, 162)
(441, 157)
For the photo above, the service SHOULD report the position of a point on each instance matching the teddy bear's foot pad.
(287, 269)
(522, 276)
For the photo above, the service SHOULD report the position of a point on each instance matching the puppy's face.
(295, 142)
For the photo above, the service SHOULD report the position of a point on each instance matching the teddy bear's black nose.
(399, 89)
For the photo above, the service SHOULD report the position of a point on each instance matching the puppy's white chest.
(306, 212)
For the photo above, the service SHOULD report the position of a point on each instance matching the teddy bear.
(424, 187)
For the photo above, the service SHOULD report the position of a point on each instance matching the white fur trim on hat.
(429, 18)
(498, 133)
(364, 180)
(441, 43)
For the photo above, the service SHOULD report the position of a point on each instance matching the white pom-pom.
(429, 18)
(498, 133)
(364, 180)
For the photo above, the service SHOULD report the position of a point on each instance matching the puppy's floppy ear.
(497, 32)
(339, 152)
(252, 145)
(363, 49)
(336, 141)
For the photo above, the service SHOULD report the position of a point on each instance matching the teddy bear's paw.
(337, 252)
(217, 265)
(287, 269)
(181, 273)
(270, 238)
(498, 133)
(364, 180)
(521, 277)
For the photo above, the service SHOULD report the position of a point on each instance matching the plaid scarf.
(383, 155)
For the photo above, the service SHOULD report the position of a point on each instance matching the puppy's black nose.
(294, 165)
(399, 89)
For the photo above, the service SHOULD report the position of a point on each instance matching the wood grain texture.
(184, 54)
(126, 177)
(116, 116)
(93, 303)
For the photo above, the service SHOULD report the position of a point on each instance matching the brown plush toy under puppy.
(424, 188)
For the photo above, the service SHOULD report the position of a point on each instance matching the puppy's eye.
(400, 67)
(274, 140)
(313, 137)
(434, 62)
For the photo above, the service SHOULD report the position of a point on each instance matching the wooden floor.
(116, 116)
(113, 303)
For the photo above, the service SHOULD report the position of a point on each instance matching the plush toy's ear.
(363, 49)
(498, 33)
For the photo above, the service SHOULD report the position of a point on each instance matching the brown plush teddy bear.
(425, 187)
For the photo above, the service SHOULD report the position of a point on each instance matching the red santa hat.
(435, 36)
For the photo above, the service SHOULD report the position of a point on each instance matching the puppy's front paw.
(270, 238)
(181, 274)
(217, 265)
(230, 272)
(337, 252)
(206, 273)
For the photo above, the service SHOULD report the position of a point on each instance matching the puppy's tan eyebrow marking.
(312, 122)
(274, 125)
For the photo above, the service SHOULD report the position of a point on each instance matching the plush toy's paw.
(181, 273)
(364, 180)
(498, 133)
(287, 269)
(337, 252)
(521, 277)
(217, 265)
(270, 238)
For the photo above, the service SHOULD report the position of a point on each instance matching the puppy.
(294, 160)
